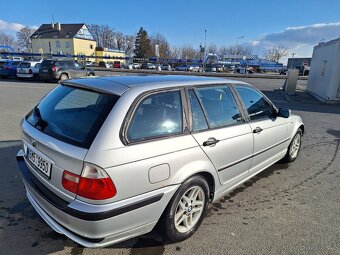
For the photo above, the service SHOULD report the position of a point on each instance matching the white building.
(324, 75)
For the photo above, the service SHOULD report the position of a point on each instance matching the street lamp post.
(240, 37)
(291, 63)
(205, 45)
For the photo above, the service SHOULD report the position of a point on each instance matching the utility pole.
(240, 37)
(205, 46)
(291, 63)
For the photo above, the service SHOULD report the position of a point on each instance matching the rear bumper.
(96, 225)
(25, 75)
(48, 76)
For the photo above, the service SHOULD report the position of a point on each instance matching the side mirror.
(284, 113)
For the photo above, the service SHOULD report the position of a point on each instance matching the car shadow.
(278, 99)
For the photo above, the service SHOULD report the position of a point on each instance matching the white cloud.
(10, 27)
(299, 40)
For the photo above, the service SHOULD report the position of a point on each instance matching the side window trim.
(129, 116)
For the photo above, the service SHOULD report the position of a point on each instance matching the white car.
(28, 70)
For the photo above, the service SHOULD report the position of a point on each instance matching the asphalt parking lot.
(287, 209)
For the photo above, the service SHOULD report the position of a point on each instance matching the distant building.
(253, 61)
(71, 39)
(6, 49)
(324, 76)
(297, 63)
(109, 55)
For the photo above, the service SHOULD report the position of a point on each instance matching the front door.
(220, 130)
(270, 131)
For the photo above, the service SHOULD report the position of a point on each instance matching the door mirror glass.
(284, 113)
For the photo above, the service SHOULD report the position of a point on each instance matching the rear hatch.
(58, 132)
(46, 65)
(24, 67)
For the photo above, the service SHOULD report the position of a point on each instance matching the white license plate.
(39, 162)
(45, 71)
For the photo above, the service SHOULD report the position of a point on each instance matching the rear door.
(270, 132)
(221, 131)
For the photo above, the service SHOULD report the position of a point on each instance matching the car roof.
(119, 84)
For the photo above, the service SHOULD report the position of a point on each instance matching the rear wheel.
(63, 77)
(186, 210)
(294, 147)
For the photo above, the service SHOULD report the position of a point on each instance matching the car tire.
(90, 74)
(294, 147)
(186, 210)
(63, 77)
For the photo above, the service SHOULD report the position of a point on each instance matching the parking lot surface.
(287, 209)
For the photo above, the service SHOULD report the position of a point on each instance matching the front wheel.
(186, 210)
(294, 147)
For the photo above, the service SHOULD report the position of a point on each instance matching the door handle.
(257, 130)
(211, 141)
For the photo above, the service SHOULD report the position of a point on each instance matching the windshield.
(72, 115)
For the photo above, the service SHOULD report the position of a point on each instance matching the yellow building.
(69, 39)
(110, 55)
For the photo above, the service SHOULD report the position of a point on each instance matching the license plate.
(40, 163)
(45, 71)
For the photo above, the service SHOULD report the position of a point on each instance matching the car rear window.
(25, 65)
(47, 63)
(72, 115)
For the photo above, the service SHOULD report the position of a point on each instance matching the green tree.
(142, 44)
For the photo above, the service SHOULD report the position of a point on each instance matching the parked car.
(166, 67)
(63, 69)
(104, 64)
(9, 69)
(28, 70)
(283, 72)
(117, 64)
(210, 68)
(89, 63)
(106, 159)
(194, 68)
(148, 66)
(182, 68)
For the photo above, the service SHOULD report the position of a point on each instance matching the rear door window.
(157, 115)
(219, 105)
(72, 115)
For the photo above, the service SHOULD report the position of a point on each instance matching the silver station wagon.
(105, 159)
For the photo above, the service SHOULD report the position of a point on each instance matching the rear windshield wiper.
(40, 122)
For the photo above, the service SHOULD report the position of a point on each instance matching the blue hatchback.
(9, 69)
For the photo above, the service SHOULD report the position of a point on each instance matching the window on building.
(57, 44)
(91, 46)
(67, 44)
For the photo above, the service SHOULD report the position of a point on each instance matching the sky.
(298, 25)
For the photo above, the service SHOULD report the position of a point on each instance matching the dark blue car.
(9, 69)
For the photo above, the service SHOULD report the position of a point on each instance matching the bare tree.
(163, 44)
(24, 38)
(276, 53)
(188, 52)
(7, 40)
(129, 43)
(212, 48)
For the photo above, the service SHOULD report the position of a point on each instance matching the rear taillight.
(93, 183)
(30, 71)
(54, 68)
(70, 181)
